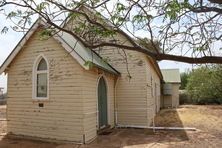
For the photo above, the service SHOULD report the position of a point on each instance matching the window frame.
(35, 74)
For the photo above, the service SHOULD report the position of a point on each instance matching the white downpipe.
(157, 128)
(115, 103)
(153, 124)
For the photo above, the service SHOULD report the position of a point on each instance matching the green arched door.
(102, 103)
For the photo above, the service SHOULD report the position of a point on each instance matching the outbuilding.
(171, 87)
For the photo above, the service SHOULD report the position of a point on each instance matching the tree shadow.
(8, 141)
(132, 137)
(171, 118)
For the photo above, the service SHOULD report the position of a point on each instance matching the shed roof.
(171, 75)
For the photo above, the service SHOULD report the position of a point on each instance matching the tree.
(205, 85)
(178, 30)
(184, 79)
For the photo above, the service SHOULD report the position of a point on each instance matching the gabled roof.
(108, 23)
(171, 75)
(70, 44)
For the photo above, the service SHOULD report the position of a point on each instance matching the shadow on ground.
(119, 138)
(9, 142)
(131, 137)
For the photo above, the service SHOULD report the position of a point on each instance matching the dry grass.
(207, 119)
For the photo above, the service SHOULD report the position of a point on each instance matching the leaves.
(120, 7)
(180, 26)
(4, 30)
(89, 64)
(141, 18)
(11, 14)
(45, 34)
(175, 8)
(42, 6)
(205, 85)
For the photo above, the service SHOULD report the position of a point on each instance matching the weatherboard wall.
(153, 92)
(61, 116)
(70, 113)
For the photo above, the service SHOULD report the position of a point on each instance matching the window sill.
(37, 100)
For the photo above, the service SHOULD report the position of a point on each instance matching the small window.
(40, 79)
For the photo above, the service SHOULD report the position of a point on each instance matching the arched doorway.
(102, 103)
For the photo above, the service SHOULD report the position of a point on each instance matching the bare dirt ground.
(207, 119)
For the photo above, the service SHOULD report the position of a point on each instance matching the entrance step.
(105, 131)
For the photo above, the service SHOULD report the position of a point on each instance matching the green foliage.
(184, 79)
(4, 30)
(205, 85)
(120, 7)
(175, 7)
(185, 98)
(11, 14)
(117, 17)
(42, 6)
(90, 64)
(141, 18)
(45, 34)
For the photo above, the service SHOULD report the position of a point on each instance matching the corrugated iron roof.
(171, 75)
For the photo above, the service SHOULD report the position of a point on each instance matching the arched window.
(40, 87)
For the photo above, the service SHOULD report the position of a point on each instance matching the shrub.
(205, 85)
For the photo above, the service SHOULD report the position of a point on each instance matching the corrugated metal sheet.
(171, 75)
(85, 53)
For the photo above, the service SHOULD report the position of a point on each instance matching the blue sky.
(9, 41)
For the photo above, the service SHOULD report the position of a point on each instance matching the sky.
(9, 40)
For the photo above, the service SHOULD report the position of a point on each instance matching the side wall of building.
(61, 116)
(153, 92)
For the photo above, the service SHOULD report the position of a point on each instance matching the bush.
(184, 98)
(205, 85)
